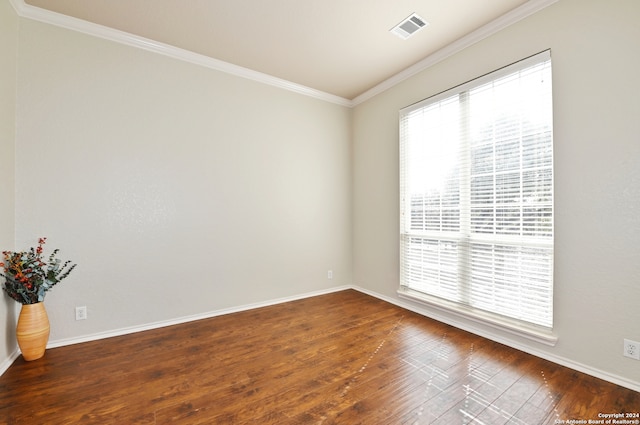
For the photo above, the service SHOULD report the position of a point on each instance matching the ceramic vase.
(32, 331)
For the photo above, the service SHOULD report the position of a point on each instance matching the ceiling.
(340, 47)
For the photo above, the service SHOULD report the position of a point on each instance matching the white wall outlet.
(81, 313)
(632, 349)
(330, 274)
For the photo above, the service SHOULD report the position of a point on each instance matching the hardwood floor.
(342, 358)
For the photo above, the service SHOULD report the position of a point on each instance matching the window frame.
(543, 334)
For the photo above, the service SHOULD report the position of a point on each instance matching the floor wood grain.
(342, 358)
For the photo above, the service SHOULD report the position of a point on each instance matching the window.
(476, 177)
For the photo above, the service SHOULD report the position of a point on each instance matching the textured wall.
(178, 190)
(8, 58)
(595, 53)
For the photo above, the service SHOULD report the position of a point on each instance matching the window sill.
(532, 332)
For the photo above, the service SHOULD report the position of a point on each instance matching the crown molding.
(510, 18)
(46, 16)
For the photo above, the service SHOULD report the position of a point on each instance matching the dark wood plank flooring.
(342, 358)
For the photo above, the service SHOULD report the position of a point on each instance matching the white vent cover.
(409, 26)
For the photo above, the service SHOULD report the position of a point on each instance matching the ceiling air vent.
(409, 26)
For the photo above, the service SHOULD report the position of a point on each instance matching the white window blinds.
(476, 177)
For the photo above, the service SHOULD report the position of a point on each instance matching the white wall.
(8, 58)
(177, 189)
(595, 47)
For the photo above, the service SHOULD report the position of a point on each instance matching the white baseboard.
(6, 364)
(609, 377)
(161, 324)
(186, 319)
(616, 379)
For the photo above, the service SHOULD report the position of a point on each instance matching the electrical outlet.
(632, 349)
(330, 274)
(81, 313)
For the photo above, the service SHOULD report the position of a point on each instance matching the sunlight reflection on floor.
(472, 388)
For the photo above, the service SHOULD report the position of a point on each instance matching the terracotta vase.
(32, 331)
